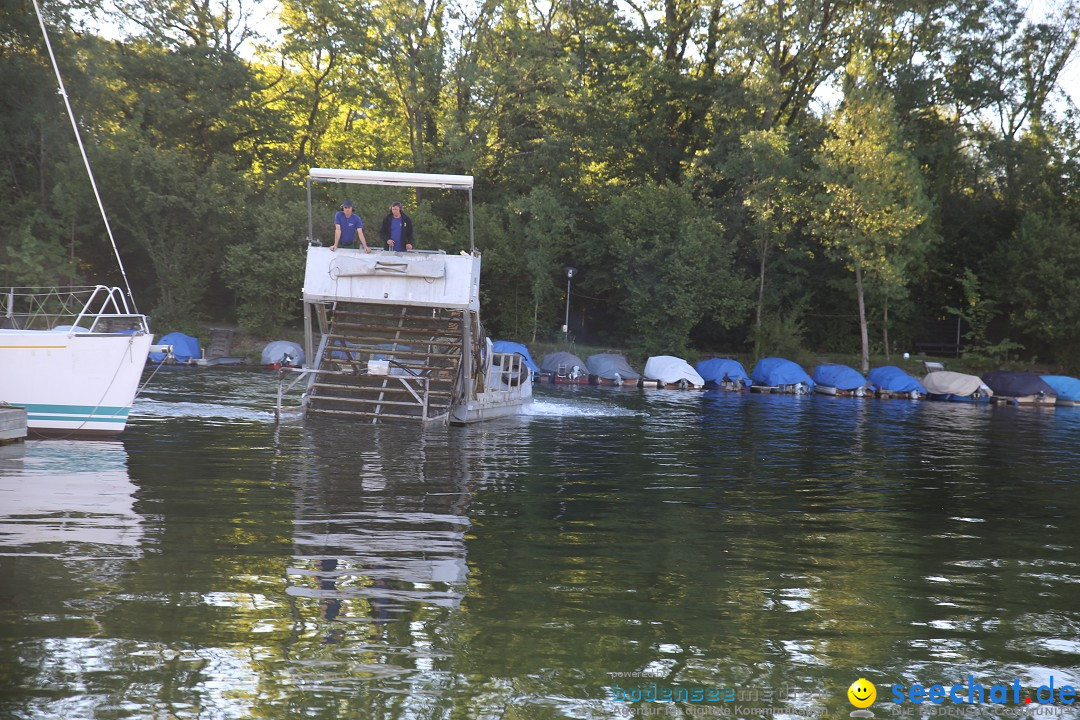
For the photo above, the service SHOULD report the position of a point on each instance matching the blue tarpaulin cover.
(774, 372)
(1008, 383)
(185, 348)
(840, 377)
(341, 352)
(1067, 388)
(715, 370)
(892, 379)
(606, 365)
(505, 346)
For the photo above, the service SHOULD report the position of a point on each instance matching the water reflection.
(230, 568)
(65, 497)
(379, 564)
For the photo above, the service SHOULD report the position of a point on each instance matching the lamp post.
(570, 273)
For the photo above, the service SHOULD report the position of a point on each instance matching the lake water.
(763, 552)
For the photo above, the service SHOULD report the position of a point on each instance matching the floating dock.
(12, 424)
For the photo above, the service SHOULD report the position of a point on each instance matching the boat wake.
(577, 407)
(156, 410)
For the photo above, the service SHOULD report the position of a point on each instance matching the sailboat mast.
(82, 150)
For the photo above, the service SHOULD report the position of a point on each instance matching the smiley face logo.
(862, 693)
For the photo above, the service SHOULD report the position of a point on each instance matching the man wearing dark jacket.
(397, 230)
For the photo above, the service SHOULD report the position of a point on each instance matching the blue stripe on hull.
(75, 418)
(80, 410)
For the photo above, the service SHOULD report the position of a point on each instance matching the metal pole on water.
(570, 273)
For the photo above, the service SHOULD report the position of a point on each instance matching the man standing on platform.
(348, 227)
(397, 230)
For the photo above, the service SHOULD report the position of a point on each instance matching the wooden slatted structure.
(385, 362)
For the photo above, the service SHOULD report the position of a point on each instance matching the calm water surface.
(212, 564)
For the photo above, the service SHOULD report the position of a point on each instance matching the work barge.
(396, 336)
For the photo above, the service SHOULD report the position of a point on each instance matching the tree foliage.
(693, 161)
(871, 203)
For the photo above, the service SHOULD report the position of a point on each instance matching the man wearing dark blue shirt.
(347, 227)
(397, 229)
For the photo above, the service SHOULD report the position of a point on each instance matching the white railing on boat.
(77, 309)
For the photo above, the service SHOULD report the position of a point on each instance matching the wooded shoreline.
(829, 177)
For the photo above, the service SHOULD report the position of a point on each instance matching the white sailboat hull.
(80, 383)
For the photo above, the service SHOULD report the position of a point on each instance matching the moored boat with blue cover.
(506, 346)
(780, 375)
(835, 379)
(185, 350)
(891, 381)
(1019, 388)
(724, 373)
(1067, 388)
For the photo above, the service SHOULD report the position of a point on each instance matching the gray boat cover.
(607, 365)
(669, 370)
(945, 382)
(563, 362)
(284, 352)
(1009, 383)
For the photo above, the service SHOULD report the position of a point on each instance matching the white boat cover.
(945, 382)
(669, 370)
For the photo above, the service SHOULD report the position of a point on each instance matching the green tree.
(979, 311)
(871, 201)
(544, 229)
(266, 268)
(675, 264)
(40, 231)
(1043, 287)
(768, 178)
(183, 216)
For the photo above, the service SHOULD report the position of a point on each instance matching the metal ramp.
(388, 362)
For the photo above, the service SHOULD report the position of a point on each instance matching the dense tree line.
(827, 175)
